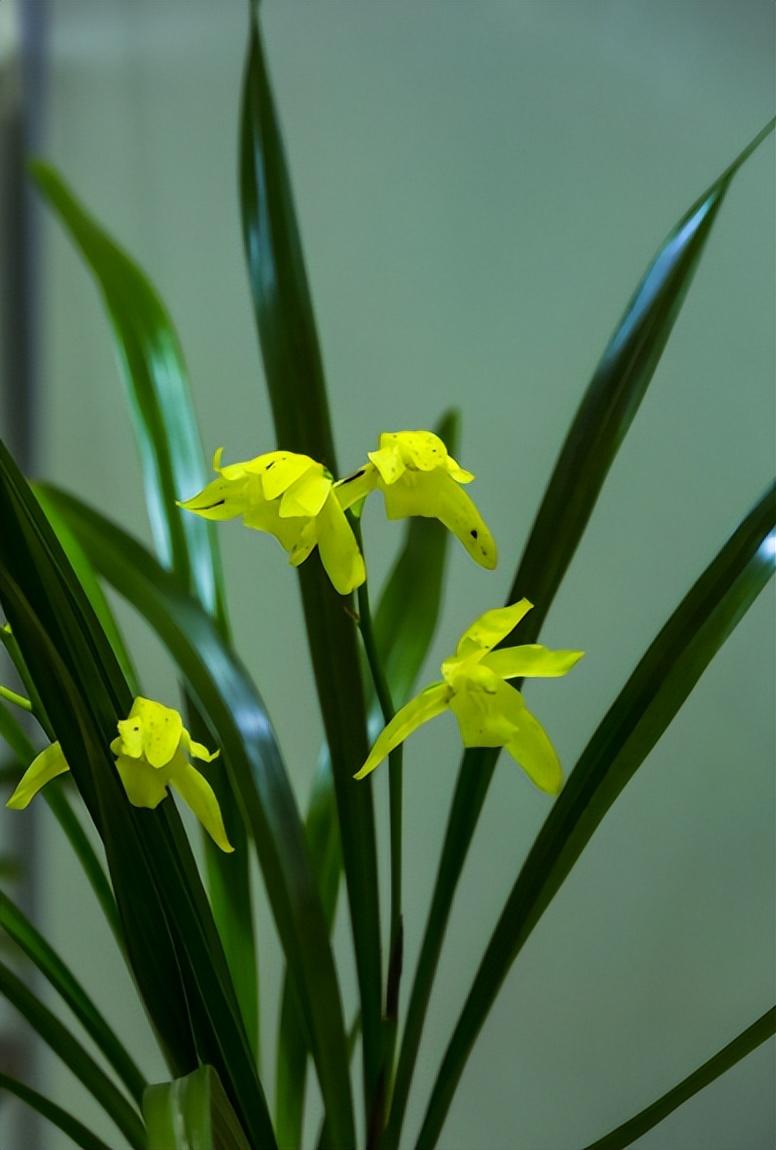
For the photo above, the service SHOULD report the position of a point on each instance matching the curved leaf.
(597, 431)
(236, 716)
(625, 1135)
(192, 1113)
(48, 962)
(405, 623)
(53, 1113)
(294, 374)
(74, 1055)
(642, 711)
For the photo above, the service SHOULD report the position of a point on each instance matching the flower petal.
(492, 627)
(283, 468)
(197, 750)
(221, 499)
(337, 544)
(307, 495)
(265, 516)
(532, 749)
(388, 462)
(425, 706)
(152, 730)
(530, 660)
(486, 708)
(357, 486)
(200, 797)
(436, 495)
(43, 768)
(144, 785)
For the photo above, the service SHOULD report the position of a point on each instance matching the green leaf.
(55, 1114)
(294, 374)
(48, 962)
(74, 1055)
(173, 467)
(642, 711)
(192, 1113)
(625, 1135)
(172, 941)
(597, 431)
(239, 724)
(405, 623)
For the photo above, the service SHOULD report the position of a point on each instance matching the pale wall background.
(480, 186)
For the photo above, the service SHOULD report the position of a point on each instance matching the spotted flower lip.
(417, 476)
(490, 713)
(291, 497)
(152, 752)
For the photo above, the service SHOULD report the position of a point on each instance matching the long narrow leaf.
(69, 1125)
(74, 1055)
(171, 454)
(651, 698)
(192, 1113)
(240, 725)
(294, 373)
(405, 622)
(597, 431)
(172, 941)
(48, 962)
(754, 1036)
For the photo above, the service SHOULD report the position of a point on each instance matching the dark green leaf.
(192, 1113)
(405, 622)
(636, 720)
(73, 1054)
(171, 454)
(54, 1114)
(744, 1044)
(597, 431)
(294, 374)
(172, 942)
(239, 725)
(48, 962)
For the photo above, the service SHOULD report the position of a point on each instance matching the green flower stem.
(395, 788)
(17, 700)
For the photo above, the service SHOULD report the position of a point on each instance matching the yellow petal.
(337, 544)
(530, 660)
(425, 706)
(144, 785)
(307, 495)
(486, 708)
(199, 796)
(221, 499)
(197, 750)
(152, 730)
(459, 474)
(353, 488)
(492, 627)
(282, 469)
(45, 767)
(388, 462)
(436, 495)
(532, 749)
(265, 516)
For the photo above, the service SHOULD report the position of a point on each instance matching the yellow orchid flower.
(151, 752)
(418, 476)
(291, 497)
(490, 713)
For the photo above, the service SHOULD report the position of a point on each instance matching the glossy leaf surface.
(192, 1113)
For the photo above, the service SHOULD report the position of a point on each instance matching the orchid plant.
(102, 751)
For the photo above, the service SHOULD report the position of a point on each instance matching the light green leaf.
(192, 1113)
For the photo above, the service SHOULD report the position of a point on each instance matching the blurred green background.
(479, 186)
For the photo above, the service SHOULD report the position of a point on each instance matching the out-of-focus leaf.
(754, 1036)
(239, 724)
(636, 720)
(171, 455)
(74, 1055)
(48, 962)
(405, 622)
(70, 1126)
(294, 374)
(597, 431)
(171, 938)
(192, 1113)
